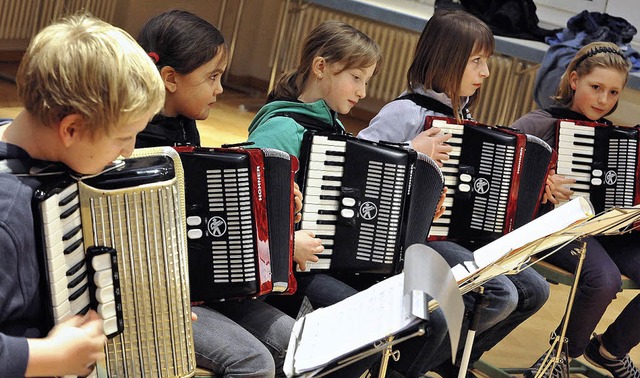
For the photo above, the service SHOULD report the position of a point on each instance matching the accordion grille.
(621, 159)
(377, 241)
(229, 192)
(496, 162)
(145, 226)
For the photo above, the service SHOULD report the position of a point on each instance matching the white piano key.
(80, 303)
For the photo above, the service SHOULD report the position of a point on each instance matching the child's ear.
(168, 75)
(70, 129)
(319, 66)
(573, 80)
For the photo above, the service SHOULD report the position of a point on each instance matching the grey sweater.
(20, 302)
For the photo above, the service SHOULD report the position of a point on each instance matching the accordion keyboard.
(77, 281)
(602, 160)
(322, 194)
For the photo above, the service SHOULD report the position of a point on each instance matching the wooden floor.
(228, 124)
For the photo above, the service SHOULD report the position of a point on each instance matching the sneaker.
(559, 370)
(622, 368)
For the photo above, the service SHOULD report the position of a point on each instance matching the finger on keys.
(432, 131)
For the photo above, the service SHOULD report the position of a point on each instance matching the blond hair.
(336, 42)
(595, 54)
(82, 65)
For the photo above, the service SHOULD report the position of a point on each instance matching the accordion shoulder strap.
(311, 123)
(432, 104)
(15, 166)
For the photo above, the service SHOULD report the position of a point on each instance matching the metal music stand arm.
(479, 302)
(385, 347)
(560, 340)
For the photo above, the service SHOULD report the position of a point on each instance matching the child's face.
(89, 154)
(196, 91)
(343, 90)
(597, 92)
(474, 74)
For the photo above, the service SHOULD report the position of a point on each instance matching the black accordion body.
(116, 242)
(366, 201)
(239, 221)
(495, 178)
(603, 159)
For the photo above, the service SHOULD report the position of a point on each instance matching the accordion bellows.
(138, 210)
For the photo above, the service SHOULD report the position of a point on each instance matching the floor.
(228, 124)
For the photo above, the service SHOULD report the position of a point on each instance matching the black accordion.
(366, 201)
(239, 221)
(495, 178)
(116, 242)
(603, 159)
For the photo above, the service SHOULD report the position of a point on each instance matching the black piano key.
(72, 233)
(73, 283)
(70, 211)
(72, 247)
(78, 293)
(65, 201)
(74, 269)
(334, 163)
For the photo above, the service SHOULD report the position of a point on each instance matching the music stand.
(384, 346)
(608, 222)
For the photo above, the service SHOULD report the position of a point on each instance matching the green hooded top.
(271, 129)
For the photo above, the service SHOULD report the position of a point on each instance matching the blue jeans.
(606, 258)
(245, 338)
(508, 304)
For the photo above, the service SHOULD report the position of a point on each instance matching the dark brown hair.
(447, 41)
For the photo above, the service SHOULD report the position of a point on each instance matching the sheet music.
(610, 222)
(384, 309)
(378, 317)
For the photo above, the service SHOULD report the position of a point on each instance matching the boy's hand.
(74, 345)
(306, 248)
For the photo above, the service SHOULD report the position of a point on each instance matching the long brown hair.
(449, 38)
(336, 42)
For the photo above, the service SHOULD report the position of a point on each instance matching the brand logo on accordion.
(217, 226)
(368, 210)
(610, 177)
(481, 185)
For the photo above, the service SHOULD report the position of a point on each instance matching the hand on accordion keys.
(297, 203)
(440, 208)
(306, 247)
(555, 189)
(433, 144)
(73, 347)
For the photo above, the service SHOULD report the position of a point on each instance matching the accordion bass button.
(194, 220)
(348, 201)
(347, 213)
(194, 234)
